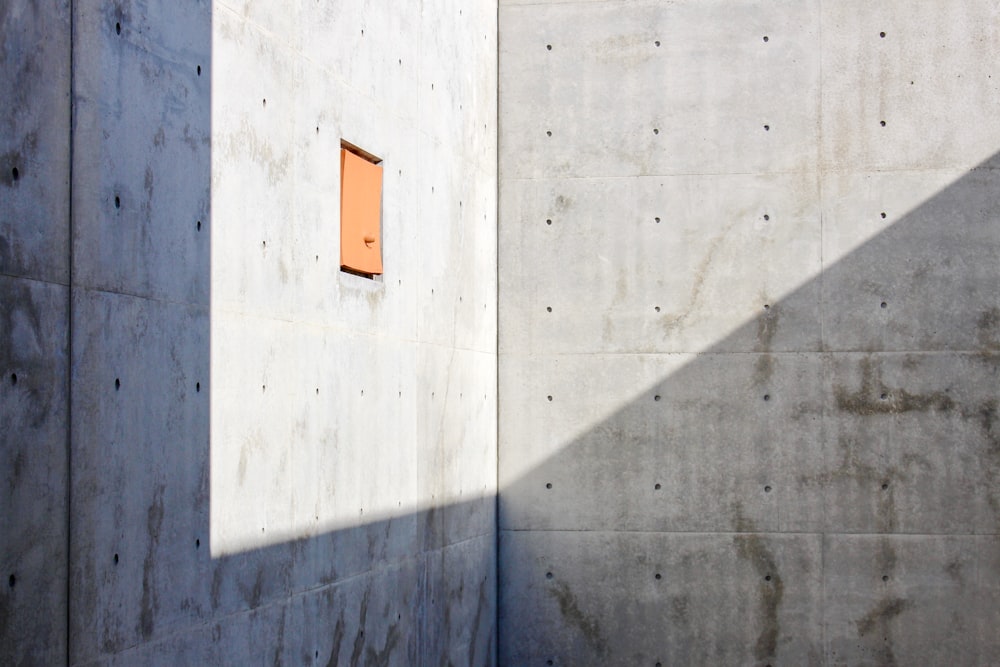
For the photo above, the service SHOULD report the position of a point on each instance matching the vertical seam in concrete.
(69, 328)
(822, 322)
(820, 167)
(496, 349)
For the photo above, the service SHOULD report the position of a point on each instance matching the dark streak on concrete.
(481, 605)
(150, 602)
(571, 612)
(752, 548)
(988, 329)
(359, 638)
(381, 658)
(279, 645)
(338, 640)
(954, 570)
(867, 400)
(881, 614)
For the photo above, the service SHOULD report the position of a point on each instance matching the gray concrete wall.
(271, 460)
(34, 328)
(749, 339)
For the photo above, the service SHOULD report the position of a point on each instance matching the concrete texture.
(747, 367)
(272, 461)
(34, 329)
(748, 333)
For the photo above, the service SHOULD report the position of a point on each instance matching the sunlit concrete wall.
(749, 333)
(261, 458)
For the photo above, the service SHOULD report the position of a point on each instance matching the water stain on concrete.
(674, 321)
(359, 637)
(752, 548)
(883, 612)
(767, 327)
(868, 399)
(150, 599)
(338, 640)
(988, 329)
(569, 607)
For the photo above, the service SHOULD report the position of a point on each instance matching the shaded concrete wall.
(34, 328)
(749, 333)
(271, 461)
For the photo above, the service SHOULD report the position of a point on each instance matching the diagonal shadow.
(802, 491)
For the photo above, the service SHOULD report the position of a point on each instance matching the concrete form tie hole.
(882, 35)
(656, 397)
(767, 397)
(767, 489)
(548, 575)
(656, 308)
(550, 398)
(15, 174)
(548, 47)
(548, 485)
(548, 133)
(118, 384)
(548, 309)
(656, 130)
(658, 576)
(882, 123)
(885, 577)
(883, 305)
(767, 128)
(199, 70)
(118, 202)
(118, 28)
(549, 662)
(766, 217)
(657, 487)
(767, 306)
(656, 220)
(548, 221)
(12, 581)
(116, 559)
(766, 39)
(13, 378)
(884, 396)
(885, 486)
(882, 214)
(198, 225)
(197, 386)
(767, 577)
(197, 543)
(656, 43)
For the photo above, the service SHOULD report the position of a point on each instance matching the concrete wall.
(34, 328)
(271, 460)
(749, 340)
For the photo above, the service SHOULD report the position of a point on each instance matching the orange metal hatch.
(360, 214)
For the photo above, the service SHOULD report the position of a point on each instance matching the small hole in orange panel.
(360, 211)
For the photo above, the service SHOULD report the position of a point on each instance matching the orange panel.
(360, 214)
